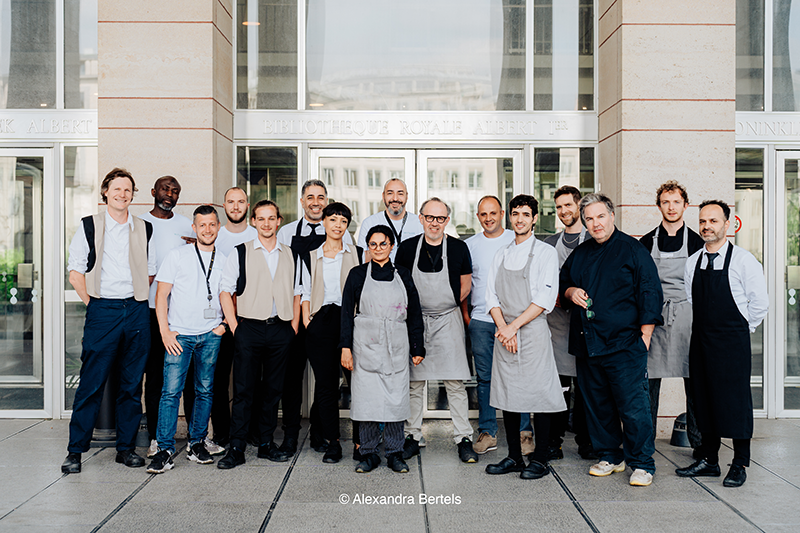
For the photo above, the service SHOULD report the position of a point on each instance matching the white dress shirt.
(745, 277)
(412, 228)
(542, 277)
(231, 272)
(116, 281)
(227, 241)
(482, 250)
(331, 276)
(286, 232)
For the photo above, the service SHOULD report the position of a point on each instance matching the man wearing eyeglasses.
(442, 270)
(612, 284)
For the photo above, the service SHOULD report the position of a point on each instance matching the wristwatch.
(226, 326)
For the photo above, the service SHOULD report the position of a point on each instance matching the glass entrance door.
(787, 371)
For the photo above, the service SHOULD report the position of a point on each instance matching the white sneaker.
(213, 448)
(604, 468)
(640, 478)
(153, 449)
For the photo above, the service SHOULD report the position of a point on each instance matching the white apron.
(381, 352)
(527, 381)
(669, 346)
(445, 343)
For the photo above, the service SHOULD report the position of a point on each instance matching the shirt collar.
(345, 250)
(722, 251)
(110, 222)
(257, 244)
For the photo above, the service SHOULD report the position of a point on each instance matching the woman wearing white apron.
(381, 327)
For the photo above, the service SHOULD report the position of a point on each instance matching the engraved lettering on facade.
(7, 125)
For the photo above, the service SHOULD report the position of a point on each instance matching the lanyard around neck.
(203, 267)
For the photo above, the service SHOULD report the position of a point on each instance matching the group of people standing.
(589, 318)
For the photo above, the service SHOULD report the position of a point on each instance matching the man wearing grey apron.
(522, 287)
(567, 199)
(442, 271)
(670, 245)
(725, 285)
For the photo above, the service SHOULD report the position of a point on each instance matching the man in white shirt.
(191, 329)
(482, 248)
(238, 229)
(725, 285)
(403, 223)
(170, 230)
(111, 265)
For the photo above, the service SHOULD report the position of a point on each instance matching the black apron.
(303, 246)
(719, 356)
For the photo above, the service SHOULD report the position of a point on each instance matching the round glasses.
(375, 245)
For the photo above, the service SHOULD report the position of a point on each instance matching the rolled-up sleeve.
(78, 252)
(230, 274)
(649, 296)
(492, 300)
(543, 279)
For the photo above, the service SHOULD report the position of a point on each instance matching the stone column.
(666, 104)
(166, 95)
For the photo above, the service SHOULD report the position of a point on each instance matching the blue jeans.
(481, 335)
(203, 349)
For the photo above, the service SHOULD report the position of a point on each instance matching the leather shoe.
(736, 477)
(534, 470)
(232, 459)
(130, 459)
(72, 464)
(272, 453)
(701, 468)
(396, 463)
(505, 466)
(289, 445)
(369, 463)
(318, 444)
(333, 452)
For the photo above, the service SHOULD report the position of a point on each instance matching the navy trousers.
(114, 331)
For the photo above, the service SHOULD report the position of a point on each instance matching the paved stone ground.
(305, 494)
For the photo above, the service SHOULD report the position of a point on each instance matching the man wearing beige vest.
(261, 274)
(111, 266)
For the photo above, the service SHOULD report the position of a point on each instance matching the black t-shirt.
(459, 261)
(667, 243)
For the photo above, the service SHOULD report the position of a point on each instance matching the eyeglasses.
(431, 218)
(382, 245)
(589, 312)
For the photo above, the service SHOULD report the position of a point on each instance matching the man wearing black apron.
(725, 285)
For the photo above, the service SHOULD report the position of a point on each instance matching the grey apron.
(381, 352)
(445, 343)
(669, 346)
(527, 381)
(558, 320)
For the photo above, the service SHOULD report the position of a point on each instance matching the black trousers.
(691, 422)
(221, 403)
(324, 355)
(541, 435)
(261, 348)
(560, 421)
(293, 389)
(712, 443)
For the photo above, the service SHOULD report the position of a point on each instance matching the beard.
(396, 211)
(573, 220)
(165, 207)
(233, 220)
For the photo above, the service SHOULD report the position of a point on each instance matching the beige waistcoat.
(261, 289)
(137, 258)
(349, 261)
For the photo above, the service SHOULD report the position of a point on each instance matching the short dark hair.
(383, 229)
(725, 209)
(337, 208)
(313, 183)
(524, 199)
(670, 186)
(595, 198)
(264, 203)
(568, 189)
(111, 176)
(204, 210)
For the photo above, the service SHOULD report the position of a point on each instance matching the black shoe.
(318, 444)
(130, 459)
(701, 468)
(232, 459)
(289, 446)
(162, 461)
(271, 452)
(396, 463)
(333, 452)
(554, 453)
(587, 452)
(465, 451)
(505, 466)
(72, 464)
(736, 477)
(199, 454)
(369, 463)
(357, 454)
(410, 447)
(534, 470)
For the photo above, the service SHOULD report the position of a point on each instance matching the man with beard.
(567, 199)
(725, 285)
(670, 245)
(237, 230)
(170, 230)
(403, 224)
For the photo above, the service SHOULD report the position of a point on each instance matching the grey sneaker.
(604, 468)
(199, 454)
(162, 461)
(213, 448)
(640, 478)
(153, 449)
(485, 443)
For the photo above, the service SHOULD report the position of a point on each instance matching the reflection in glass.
(266, 54)
(750, 236)
(554, 168)
(27, 54)
(786, 56)
(791, 383)
(750, 55)
(80, 54)
(416, 55)
(269, 174)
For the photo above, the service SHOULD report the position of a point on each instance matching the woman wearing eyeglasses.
(381, 326)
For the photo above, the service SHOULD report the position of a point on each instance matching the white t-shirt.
(482, 250)
(227, 241)
(189, 296)
(167, 235)
(412, 228)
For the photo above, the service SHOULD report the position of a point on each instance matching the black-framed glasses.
(382, 245)
(589, 313)
(431, 218)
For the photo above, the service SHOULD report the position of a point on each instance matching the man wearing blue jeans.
(191, 327)
(482, 248)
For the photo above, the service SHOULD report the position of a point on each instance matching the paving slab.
(11, 426)
(355, 517)
(507, 516)
(660, 517)
(156, 517)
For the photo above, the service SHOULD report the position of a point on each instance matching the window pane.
(416, 55)
(269, 173)
(563, 55)
(791, 363)
(80, 54)
(554, 168)
(27, 54)
(266, 54)
(786, 56)
(749, 55)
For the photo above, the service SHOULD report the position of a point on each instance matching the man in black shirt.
(442, 270)
(670, 245)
